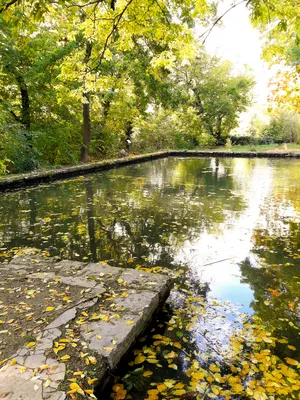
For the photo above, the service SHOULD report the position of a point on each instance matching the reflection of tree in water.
(145, 211)
(276, 283)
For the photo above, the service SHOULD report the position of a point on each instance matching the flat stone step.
(115, 305)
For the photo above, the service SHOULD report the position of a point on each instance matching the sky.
(240, 43)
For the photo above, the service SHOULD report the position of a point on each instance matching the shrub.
(242, 140)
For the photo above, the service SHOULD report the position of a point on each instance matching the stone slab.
(16, 388)
(108, 328)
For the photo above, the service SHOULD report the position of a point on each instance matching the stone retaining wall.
(33, 178)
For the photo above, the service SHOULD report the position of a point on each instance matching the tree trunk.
(86, 112)
(218, 132)
(86, 128)
(25, 108)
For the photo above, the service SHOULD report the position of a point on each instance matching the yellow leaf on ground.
(130, 322)
(65, 357)
(258, 395)
(161, 387)
(169, 383)
(237, 388)
(282, 341)
(157, 337)
(172, 354)
(43, 367)
(152, 360)
(291, 361)
(47, 383)
(177, 344)
(91, 381)
(48, 309)
(139, 359)
(120, 395)
(77, 389)
(117, 387)
(147, 373)
(179, 392)
(30, 344)
(78, 373)
(152, 392)
(13, 361)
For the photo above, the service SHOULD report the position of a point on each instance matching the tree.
(99, 34)
(107, 32)
(285, 90)
(216, 93)
(278, 20)
(284, 127)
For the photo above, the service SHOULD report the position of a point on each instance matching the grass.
(261, 148)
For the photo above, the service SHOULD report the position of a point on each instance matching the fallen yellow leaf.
(139, 359)
(161, 387)
(179, 392)
(291, 361)
(147, 373)
(177, 344)
(30, 344)
(91, 381)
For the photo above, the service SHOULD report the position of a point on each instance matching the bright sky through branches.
(237, 41)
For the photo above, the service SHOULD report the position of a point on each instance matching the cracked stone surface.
(109, 339)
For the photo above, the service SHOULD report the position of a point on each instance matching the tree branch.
(6, 6)
(208, 32)
(115, 25)
(164, 12)
(90, 3)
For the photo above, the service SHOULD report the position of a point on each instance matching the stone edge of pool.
(33, 178)
(23, 373)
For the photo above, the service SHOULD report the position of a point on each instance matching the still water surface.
(218, 221)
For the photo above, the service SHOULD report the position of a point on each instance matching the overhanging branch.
(208, 31)
(7, 5)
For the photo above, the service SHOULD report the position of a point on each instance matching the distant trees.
(209, 99)
(284, 127)
(217, 94)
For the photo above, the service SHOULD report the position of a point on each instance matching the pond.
(227, 229)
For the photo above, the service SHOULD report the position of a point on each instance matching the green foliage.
(284, 127)
(163, 129)
(16, 151)
(279, 22)
(118, 60)
(216, 93)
